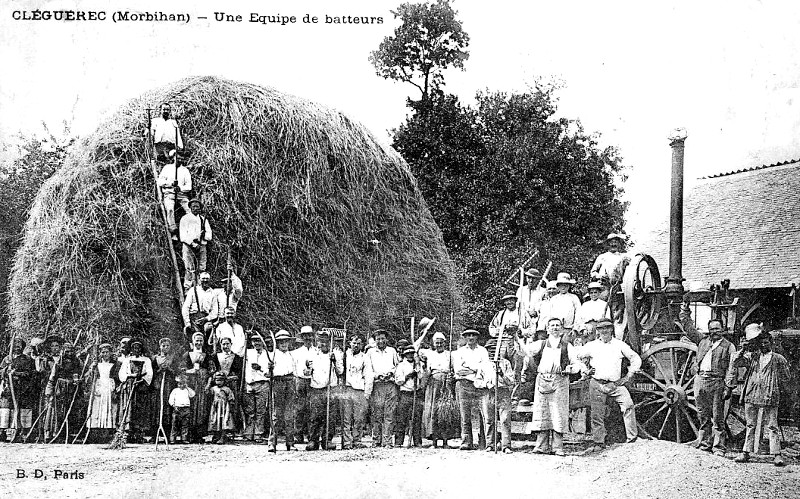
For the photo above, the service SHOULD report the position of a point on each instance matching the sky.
(631, 71)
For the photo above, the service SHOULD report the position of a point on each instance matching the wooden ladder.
(178, 287)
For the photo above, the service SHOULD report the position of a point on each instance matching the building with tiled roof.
(743, 226)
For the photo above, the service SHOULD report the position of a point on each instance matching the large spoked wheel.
(641, 285)
(663, 393)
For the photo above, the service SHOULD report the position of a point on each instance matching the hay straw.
(295, 189)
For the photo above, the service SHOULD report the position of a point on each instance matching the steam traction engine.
(663, 390)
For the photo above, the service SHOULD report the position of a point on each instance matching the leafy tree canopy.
(429, 40)
(507, 176)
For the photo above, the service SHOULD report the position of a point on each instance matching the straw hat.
(282, 335)
(596, 285)
(201, 335)
(306, 330)
(508, 297)
(205, 275)
(409, 349)
(604, 323)
(438, 336)
(468, 332)
(195, 201)
(614, 235)
(533, 273)
(564, 278)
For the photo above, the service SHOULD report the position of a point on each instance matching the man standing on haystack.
(174, 186)
(232, 299)
(195, 234)
(380, 389)
(166, 136)
(303, 356)
(198, 307)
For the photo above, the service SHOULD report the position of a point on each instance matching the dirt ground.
(644, 469)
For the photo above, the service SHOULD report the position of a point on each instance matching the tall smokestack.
(674, 285)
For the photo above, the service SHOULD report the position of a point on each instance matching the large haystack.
(295, 189)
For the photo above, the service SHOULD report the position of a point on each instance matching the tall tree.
(507, 176)
(20, 179)
(429, 40)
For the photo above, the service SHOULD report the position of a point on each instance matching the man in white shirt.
(609, 269)
(283, 391)
(326, 367)
(592, 309)
(380, 389)
(302, 375)
(166, 135)
(714, 356)
(195, 233)
(468, 361)
(530, 295)
(174, 186)
(564, 305)
(233, 331)
(410, 377)
(511, 319)
(198, 306)
(354, 402)
(604, 357)
(256, 397)
(232, 299)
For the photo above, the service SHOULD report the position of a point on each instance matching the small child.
(221, 418)
(180, 399)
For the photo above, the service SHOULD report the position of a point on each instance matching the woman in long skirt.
(103, 412)
(165, 368)
(437, 363)
(136, 374)
(198, 365)
(231, 365)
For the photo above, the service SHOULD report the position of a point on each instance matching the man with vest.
(174, 185)
(354, 401)
(198, 309)
(714, 354)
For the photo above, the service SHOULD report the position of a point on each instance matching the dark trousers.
(383, 404)
(283, 395)
(318, 402)
(708, 393)
(180, 423)
(403, 417)
(302, 409)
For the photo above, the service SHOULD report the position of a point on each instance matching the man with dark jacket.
(714, 354)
